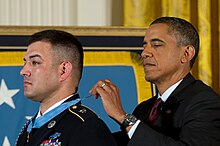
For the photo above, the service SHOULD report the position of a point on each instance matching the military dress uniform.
(75, 126)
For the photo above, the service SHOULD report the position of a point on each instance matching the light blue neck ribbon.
(50, 115)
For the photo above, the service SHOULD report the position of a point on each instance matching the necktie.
(155, 111)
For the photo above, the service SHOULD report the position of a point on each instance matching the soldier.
(52, 71)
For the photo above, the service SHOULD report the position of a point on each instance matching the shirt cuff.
(133, 128)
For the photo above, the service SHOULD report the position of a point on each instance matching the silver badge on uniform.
(51, 124)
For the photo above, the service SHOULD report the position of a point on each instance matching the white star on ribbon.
(6, 142)
(28, 117)
(6, 94)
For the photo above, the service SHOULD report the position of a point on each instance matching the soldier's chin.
(30, 96)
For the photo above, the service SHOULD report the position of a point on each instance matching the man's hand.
(110, 96)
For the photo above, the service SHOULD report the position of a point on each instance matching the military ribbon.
(50, 115)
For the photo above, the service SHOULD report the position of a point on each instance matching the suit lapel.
(177, 95)
(187, 81)
(173, 102)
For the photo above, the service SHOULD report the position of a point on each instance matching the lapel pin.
(168, 111)
(51, 124)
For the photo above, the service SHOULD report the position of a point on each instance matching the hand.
(110, 96)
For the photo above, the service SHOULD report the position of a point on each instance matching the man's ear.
(65, 70)
(189, 53)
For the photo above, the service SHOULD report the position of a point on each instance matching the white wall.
(59, 12)
(93, 12)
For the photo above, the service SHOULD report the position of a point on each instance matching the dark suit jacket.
(76, 126)
(189, 117)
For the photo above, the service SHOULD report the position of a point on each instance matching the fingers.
(110, 96)
(103, 88)
(100, 86)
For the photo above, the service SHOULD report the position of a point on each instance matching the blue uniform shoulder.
(82, 112)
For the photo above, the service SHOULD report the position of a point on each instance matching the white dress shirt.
(164, 97)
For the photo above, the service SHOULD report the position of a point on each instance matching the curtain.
(204, 27)
(139, 12)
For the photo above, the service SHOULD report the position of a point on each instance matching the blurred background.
(115, 17)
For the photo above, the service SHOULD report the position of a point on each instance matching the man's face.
(40, 72)
(161, 55)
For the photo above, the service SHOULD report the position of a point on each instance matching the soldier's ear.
(65, 69)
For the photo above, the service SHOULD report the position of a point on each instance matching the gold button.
(74, 107)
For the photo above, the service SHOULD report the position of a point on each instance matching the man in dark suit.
(186, 112)
(52, 71)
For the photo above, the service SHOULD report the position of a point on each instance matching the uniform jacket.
(189, 117)
(75, 126)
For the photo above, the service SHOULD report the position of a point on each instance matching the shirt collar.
(53, 106)
(167, 93)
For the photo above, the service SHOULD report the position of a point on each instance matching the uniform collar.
(55, 105)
